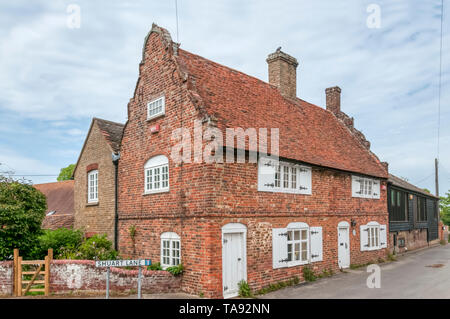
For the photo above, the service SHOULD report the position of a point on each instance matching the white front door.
(233, 262)
(343, 247)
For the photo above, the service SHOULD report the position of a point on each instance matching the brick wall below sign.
(6, 278)
(81, 276)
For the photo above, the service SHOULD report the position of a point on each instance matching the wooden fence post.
(19, 277)
(15, 269)
(50, 253)
(47, 275)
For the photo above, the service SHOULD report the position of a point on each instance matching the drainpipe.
(115, 160)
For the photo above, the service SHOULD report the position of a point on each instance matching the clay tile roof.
(112, 131)
(397, 181)
(308, 133)
(60, 200)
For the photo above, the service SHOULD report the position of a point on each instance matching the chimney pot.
(333, 99)
(282, 72)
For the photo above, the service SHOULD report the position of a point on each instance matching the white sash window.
(156, 175)
(93, 186)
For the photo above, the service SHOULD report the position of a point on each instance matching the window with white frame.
(170, 249)
(283, 177)
(93, 186)
(157, 174)
(297, 244)
(156, 108)
(373, 236)
(364, 187)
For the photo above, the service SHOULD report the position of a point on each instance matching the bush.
(308, 274)
(244, 289)
(59, 240)
(98, 247)
(176, 270)
(22, 209)
(155, 266)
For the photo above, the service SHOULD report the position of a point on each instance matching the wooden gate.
(42, 270)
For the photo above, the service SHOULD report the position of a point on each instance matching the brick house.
(413, 216)
(95, 180)
(323, 204)
(60, 204)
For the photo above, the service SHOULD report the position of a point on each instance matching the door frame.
(235, 228)
(344, 224)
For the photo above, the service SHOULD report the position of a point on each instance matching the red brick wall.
(6, 278)
(81, 276)
(204, 197)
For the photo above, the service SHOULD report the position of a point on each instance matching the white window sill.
(366, 197)
(284, 191)
(165, 190)
(155, 117)
(92, 203)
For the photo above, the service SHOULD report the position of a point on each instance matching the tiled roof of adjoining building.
(399, 182)
(60, 204)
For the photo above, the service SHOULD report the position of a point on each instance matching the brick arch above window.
(156, 161)
(92, 167)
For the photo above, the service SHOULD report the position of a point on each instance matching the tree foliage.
(59, 240)
(66, 173)
(444, 205)
(22, 209)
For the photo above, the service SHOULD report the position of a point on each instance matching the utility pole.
(436, 176)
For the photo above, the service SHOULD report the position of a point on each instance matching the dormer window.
(156, 108)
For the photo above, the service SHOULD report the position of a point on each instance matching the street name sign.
(123, 263)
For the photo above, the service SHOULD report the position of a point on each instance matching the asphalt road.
(421, 274)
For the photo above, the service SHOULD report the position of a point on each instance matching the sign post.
(139, 282)
(123, 263)
(107, 282)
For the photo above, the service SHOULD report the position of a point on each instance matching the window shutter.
(266, 174)
(316, 244)
(356, 186)
(279, 247)
(383, 236)
(305, 184)
(376, 189)
(364, 237)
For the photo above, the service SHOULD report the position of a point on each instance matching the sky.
(56, 74)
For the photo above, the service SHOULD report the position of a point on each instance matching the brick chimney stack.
(282, 72)
(333, 97)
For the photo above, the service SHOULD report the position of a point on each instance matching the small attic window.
(156, 108)
(51, 213)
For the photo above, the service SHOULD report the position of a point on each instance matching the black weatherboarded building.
(413, 216)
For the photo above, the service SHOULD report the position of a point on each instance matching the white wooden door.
(233, 263)
(343, 247)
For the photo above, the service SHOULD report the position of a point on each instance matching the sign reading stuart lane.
(123, 263)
